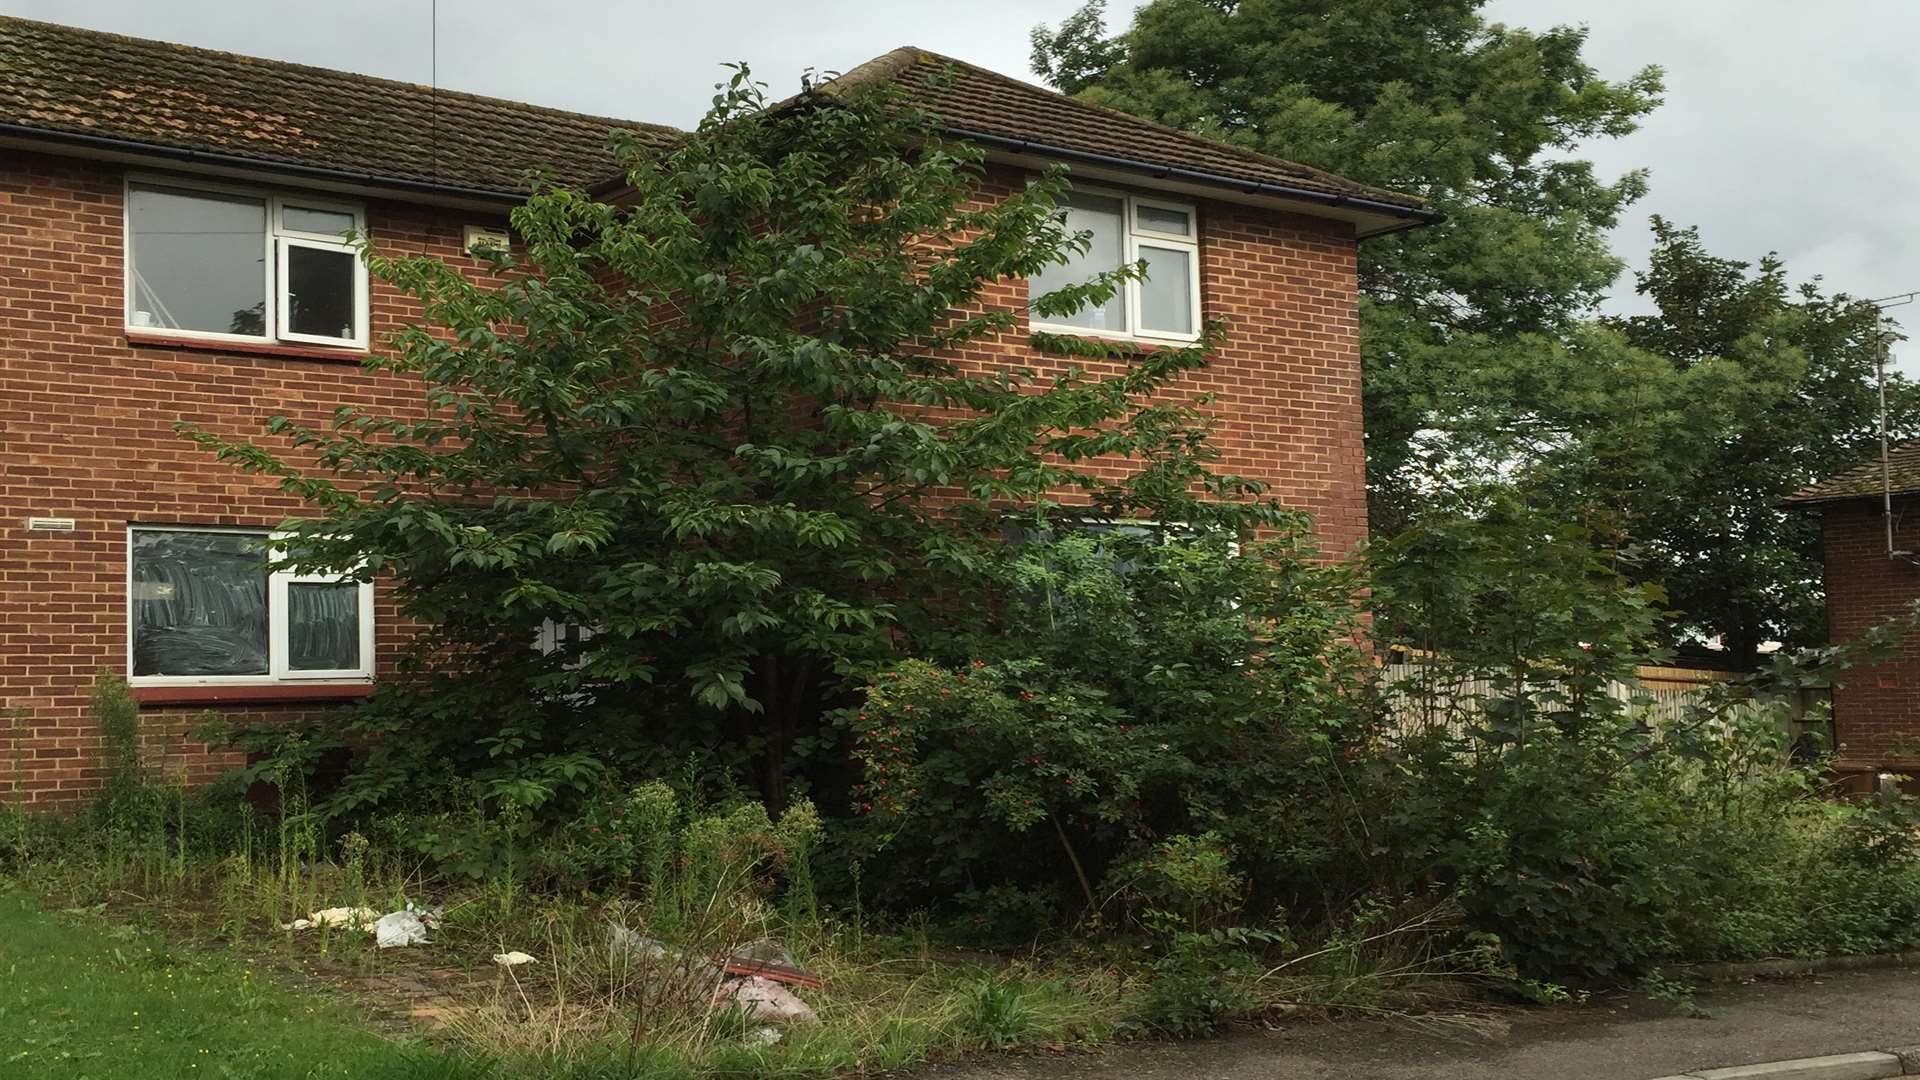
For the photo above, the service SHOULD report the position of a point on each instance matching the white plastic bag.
(399, 929)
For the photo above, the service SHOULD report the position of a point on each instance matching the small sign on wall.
(49, 524)
(481, 238)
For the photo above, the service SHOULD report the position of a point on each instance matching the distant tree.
(1673, 436)
(717, 439)
(1730, 558)
(1422, 96)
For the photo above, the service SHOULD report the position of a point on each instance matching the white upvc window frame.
(1170, 532)
(1136, 237)
(275, 242)
(278, 671)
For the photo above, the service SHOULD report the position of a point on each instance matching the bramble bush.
(1592, 837)
(1134, 686)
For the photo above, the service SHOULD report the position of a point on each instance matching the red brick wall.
(1876, 708)
(85, 430)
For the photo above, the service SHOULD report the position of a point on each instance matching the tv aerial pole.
(1880, 380)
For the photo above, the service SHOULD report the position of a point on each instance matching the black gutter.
(204, 157)
(1153, 169)
(1161, 171)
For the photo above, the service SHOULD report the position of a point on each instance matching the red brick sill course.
(217, 695)
(296, 352)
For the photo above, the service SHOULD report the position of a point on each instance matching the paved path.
(1612, 1040)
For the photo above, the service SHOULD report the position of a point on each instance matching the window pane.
(1166, 297)
(322, 222)
(198, 261)
(1106, 219)
(199, 603)
(320, 292)
(323, 626)
(1162, 220)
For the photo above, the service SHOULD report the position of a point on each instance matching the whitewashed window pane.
(323, 626)
(319, 222)
(1106, 219)
(1162, 220)
(198, 261)
(1166, 296)
(199, 603)
(320, 292)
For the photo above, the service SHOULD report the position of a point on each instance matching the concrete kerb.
(1780, 969)
(1867, 1065)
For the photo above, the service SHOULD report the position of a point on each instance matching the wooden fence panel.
(1423, 697)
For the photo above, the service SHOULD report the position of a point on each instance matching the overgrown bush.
(1592, 837)
(1135, 686)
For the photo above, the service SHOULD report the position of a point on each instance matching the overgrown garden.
(861, 654)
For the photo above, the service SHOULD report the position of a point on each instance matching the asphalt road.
(1614, 1039)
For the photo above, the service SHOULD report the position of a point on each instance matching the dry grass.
(587, 1003)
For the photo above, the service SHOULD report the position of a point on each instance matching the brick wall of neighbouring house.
(1876, 708)
(85, 431)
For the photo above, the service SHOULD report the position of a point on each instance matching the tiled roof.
(1865, 479)
(83, 82)
(974, 101)
(66, 81)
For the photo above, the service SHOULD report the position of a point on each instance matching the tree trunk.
(784, 686)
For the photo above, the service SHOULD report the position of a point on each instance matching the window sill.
(219, 695)
(1112, 336)
(344, 355)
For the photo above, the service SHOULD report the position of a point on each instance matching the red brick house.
(1872, 573)
(170, 223)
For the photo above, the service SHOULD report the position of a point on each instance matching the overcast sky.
(1789, 124)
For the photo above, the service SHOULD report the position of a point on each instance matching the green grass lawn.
(80, 998)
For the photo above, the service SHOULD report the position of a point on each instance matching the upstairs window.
(1127, 229)
(204, 608)
(229, 265)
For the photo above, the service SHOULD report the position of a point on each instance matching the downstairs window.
(203, 608)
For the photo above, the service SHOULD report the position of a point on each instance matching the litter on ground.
(360, 918)
(399, 929)
(765, 1001)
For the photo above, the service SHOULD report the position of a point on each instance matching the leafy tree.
(721, 430)
(1423, 96)
(1731, 559)
(1677, 434)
